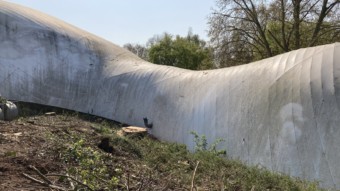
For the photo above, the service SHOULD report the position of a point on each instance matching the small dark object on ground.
(105, 145)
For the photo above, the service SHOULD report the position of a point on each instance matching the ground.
(73, 151)
(60, 144)
(24, 142)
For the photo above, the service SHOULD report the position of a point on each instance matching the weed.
(10, 154)
(201, 144)
(146, 164)
(102, 129)
(90, 166)
(126, 146)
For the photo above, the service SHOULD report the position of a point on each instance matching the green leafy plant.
(91, 168)
(71, 147)
(103, 128)
(201, 144)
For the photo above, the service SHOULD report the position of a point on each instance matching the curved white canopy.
(281, 112)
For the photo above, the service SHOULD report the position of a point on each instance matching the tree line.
(243, 31)
(188, 52)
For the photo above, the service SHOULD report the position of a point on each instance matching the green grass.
(148, 164)
(214, 172)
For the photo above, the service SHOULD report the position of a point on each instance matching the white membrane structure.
(281, 112)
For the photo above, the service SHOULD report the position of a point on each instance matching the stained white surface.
(281, 112)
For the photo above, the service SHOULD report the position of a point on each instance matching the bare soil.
(25, 142)
(49, 143)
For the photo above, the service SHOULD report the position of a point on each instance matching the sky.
(130, 21)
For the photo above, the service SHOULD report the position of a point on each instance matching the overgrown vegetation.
(89, 166)
(189, 52)
(201, 145)
(155, 165)
(71, 142)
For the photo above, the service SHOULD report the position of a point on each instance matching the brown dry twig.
(128, 181)
(70, 181)
(40, 174)
(71, 178)
(48, 183)
(44, 183)
(193, 176)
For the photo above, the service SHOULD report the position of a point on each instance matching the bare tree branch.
(324, 11)
(265, 28)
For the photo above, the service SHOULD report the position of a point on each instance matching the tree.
(137, 49)
(188, 52)
(246, 30)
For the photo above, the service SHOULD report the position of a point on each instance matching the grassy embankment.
(70, 143)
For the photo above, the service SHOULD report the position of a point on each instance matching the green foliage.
(165, 156)
(185, 52)
(306, 29)
(202, 144)
(126, 146)
(174, 163)
(158, 165)
(90, 166)
(103, 128)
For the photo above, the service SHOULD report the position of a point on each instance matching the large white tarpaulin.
(281, 113)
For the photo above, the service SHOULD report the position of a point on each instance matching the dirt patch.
(88, 149)
(26, 142)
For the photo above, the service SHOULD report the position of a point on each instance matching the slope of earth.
(70, 151)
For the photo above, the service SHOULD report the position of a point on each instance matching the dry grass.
(67, 144)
